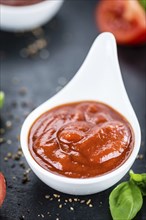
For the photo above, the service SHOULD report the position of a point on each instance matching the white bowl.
(24, 18)
(99, 79)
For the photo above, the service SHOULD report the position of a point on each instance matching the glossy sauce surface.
(81, 140)
(20, 2)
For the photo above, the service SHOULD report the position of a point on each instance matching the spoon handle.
(99, 77)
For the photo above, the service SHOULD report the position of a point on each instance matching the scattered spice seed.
(56, 195)
(9, 155)
(2, 140)
(38, 32)
(5, 159)
(82, 201)
(71, 208)
(70, 200)
(100, 203)
(88, 202)
(33, 48)
(8, 124)
(9, 142)
(2, 130)
(42, 216)
(140, 156)
(60, 206)
(16, 157)
(47, 196)
(40, 43)
(19, 153)
(25, 179)
(90, 205)
(28, 171)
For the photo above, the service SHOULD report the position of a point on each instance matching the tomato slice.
(2, 189)
(126, 19)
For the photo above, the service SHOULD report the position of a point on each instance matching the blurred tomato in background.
(126, 19)
(2, 189)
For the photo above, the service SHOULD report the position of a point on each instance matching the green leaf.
(143, 3)
(139, 180)
(2, 97)
(125, 201)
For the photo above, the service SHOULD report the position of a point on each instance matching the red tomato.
(126, 19)
(2, 189)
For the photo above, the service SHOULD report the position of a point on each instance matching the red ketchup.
(81, 140)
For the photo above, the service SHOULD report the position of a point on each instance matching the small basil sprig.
(2, 97)
(125, 201)
(139, 180)
(143, 3)
(127, 198)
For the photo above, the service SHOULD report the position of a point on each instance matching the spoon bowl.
(98, 79)
(24, 18)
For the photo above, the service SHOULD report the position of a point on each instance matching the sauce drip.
(81, 140)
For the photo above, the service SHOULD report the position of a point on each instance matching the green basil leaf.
(125, 201)
(139, 180)
(143, 3)
(2, 97)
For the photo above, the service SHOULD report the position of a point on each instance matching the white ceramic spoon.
(99, 79)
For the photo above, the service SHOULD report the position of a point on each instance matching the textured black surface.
(69, 35)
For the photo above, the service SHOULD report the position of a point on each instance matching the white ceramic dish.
(24, 18)
(99, 79)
